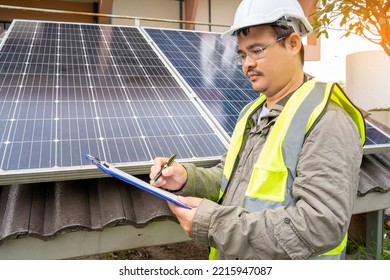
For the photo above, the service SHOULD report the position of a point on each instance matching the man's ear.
(294, 43)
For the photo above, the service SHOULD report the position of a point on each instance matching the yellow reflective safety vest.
(275, 170)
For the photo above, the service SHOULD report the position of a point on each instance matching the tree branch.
(367, 19)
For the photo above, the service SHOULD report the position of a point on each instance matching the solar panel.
(70, 89)
(206, 64)
(377, 141)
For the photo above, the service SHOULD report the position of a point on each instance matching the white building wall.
(161, 9)
(368, 79)
(222, 12)
(381, 116)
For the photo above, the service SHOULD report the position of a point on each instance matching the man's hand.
(186, 216)
(172, 178)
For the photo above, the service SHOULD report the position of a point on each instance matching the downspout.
(181, 13)
(210, 15)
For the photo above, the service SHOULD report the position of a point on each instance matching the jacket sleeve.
(203, 182)
(325, 189)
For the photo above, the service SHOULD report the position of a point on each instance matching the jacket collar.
(284, 100)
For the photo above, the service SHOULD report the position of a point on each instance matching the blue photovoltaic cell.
(70, 89)
(206, 63)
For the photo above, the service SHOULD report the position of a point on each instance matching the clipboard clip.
(96, 161)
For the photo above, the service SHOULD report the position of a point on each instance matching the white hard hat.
(281, 12)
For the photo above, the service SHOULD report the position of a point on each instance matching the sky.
(331, 67)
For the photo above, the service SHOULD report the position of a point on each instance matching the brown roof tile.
(45, 210)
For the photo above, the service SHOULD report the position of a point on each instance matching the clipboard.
(130, 179)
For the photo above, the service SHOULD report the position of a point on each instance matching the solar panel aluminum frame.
(87, 171)
(59, 174)
(377, 148)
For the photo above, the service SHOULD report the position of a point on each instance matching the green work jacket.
(273, 174)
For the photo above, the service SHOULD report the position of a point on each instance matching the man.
(286, 187)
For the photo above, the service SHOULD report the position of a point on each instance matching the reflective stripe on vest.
(275, 170)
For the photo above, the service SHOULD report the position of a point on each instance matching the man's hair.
(279, 32)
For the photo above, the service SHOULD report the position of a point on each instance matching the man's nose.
(248, 62)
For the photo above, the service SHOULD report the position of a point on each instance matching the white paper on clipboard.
(115, 172)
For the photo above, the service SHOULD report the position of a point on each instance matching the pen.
(168, 163)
